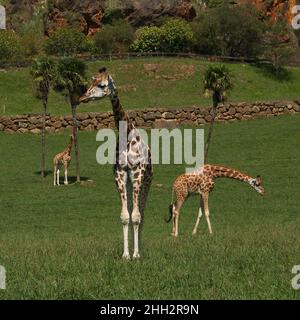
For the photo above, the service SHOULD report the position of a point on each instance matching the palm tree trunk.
(43, 156)
(75, 129)
(216, 100)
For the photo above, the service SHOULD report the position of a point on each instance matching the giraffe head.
(257, 184)
(102, 86)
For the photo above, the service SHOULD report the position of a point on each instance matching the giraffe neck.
(119, 113)
(218, 171)
(69, 147)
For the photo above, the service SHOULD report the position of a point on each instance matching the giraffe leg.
(146, 183)
(54, 175)
(173, 223)
(198, 219)
(57, 177)
(136, 179)
(66, 175)
(176, 212)
(121, 180)
(206, 211)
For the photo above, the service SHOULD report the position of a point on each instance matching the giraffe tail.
(170, 213)
(171, 207)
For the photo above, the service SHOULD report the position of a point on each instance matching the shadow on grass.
(267, 70)
(47, 172)
(71, 179)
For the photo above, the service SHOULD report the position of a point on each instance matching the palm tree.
(42, 71)
(217, 82)
(70, 81)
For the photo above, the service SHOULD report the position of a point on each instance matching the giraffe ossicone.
(133, 169)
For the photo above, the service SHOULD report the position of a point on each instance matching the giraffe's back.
(192, 183)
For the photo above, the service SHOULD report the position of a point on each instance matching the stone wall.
(150, 118)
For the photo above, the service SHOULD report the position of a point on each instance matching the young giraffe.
(132, 169)
(201, 182)
(62, 159)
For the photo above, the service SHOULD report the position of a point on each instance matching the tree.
(114, 38)
(228, 30)
(65, 42)
(278, 46)
(42, 72)
(217, 81)
(70, 81)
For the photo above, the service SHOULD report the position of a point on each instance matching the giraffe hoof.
(66, 183)
(126, 256)
(194, 232)
(136, 256)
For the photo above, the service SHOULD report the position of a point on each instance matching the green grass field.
(66, 242)
(139, 90)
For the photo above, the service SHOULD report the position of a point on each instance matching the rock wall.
(150, 118)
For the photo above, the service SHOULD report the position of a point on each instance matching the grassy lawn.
(178, 83)
(66, 242)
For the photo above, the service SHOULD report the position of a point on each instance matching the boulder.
(168, 124)
(35, 131)
(149, 116)
(168, 115)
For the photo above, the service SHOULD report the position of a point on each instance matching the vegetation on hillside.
(219, 28)
(173, 83)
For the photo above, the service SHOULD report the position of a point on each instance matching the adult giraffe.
(132, 169)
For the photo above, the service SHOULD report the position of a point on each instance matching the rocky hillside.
(89, 15)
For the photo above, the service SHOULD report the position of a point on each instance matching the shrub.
(173, 36)
(65, 42)
(112, 15)
(214, 3)
(114, 38)
(10, 47)
(205, 30)
(148, 39)
(177, 36)
(32, 43)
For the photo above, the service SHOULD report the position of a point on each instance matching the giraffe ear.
(258, 180)
(102, 70)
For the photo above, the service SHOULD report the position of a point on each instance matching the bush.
(214, 3)
(10, 48)
(32, 43)
(65, 42)
(148, 39)
(112, 15)
(115, 38)
(229, 31)
(175, 35)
